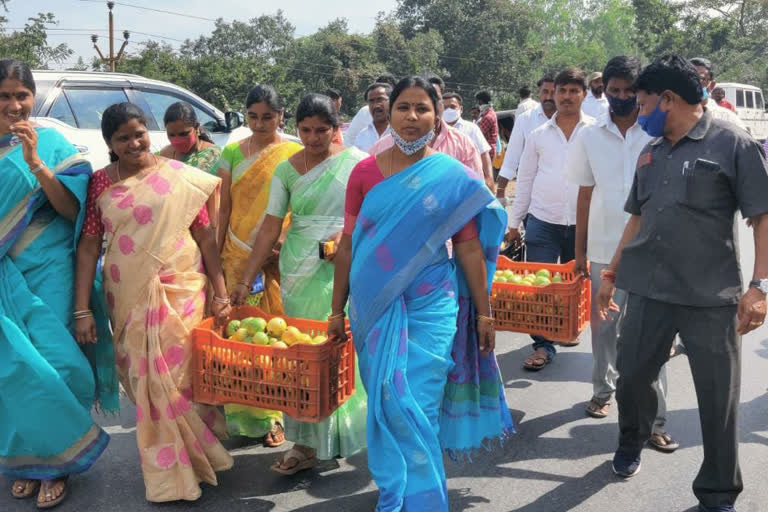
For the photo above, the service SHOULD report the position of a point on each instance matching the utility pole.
(112, 60)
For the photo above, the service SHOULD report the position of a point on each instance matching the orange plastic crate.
(307, 382)
(558, 312)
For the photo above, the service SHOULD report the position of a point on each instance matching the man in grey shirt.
(677, 260)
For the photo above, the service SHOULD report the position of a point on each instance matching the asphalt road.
(558, 461)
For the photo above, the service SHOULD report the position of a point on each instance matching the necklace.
(117, 168)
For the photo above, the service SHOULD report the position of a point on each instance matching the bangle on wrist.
(483, 318)
(608, 275)
(36, 169)
(337, 316)
(221, 300)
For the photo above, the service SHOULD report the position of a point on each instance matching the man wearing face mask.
(595, 104)
(525, 123)
(706, 74)
(602, 162)
(453, 106)
(676, 261)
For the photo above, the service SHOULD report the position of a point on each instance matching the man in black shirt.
(678, 261)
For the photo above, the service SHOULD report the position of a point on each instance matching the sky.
(87, 16)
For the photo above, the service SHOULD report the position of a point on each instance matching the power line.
(174, 13)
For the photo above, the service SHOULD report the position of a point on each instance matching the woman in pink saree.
(153, 214)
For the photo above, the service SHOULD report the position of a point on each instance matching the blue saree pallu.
(47, 384)
(429, 388)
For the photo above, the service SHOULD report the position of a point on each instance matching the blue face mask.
(622, 108)
(653, 124)
(704, 94)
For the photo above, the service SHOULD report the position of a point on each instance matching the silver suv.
(73, 102)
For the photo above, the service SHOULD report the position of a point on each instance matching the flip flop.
(30, 491)
(57, 501)
(534, 365)
(598, 410)
(302, 463)
(663, 442)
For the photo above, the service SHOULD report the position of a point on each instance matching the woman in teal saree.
(47, 385)
(422, 324)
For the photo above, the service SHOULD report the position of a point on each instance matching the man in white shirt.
(377, 96)
(526, 102)
(453, 108)
(602, 161)
(543, 194)
(363, 116)
(595, 105)
(524, 125)
(707, 78)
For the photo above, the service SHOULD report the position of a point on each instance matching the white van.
(73, 102)
(750, 106)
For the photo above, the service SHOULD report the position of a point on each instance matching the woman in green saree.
(312, 184)
(189, 142)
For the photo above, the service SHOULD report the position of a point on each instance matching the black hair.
(706, 63)
(318, 105)
(524, 92)
(484, 97)
(12, 68)
(376, 85)
(623, 66)
(414, 81)
(264, 94)
(184, 112)
(334, 94)
(671, 73)
(453, 95)
(387, 78)
(115, 116)
(545, 80)
(571, 75)
(435, 80)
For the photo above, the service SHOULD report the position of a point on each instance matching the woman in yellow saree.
(246, 170)
(153, 215)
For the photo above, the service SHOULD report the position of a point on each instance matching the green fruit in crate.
(279, 344)
(508, 274)
(543, 273)
(272, 341)
(276, 327)
(232, 327)
(542, 281)
(261, 338)
(240, 335)
(500, 279)
(557, 278)
(291, 335)
(517, 279)
(318, 340)
(253, 324)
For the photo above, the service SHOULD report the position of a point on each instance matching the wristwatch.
(760, 284)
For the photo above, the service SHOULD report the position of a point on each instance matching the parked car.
(73, 102)
(750, 107)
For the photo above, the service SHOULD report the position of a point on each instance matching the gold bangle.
(483, 318)
(337, 316)
(82, 311)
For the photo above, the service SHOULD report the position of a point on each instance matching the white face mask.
(451, 115)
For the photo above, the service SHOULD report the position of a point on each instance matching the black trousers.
(714, 354)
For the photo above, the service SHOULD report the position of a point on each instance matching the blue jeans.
(548, 243)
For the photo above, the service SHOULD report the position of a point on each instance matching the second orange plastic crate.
(558, 312)
(307, 382)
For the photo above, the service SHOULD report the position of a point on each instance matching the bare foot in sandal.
(597, 409)
(52, 492)
(275, 437)
(24, 488)
(296, 459)
(538, 360)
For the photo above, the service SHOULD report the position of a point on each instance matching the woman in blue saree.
(47, 385)
(422, 325)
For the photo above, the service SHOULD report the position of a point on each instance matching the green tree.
(31, 43)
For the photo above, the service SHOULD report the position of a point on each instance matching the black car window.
(89, 104)
(160, 101)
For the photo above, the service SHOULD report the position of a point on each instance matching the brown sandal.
(663, 442)
(64, 491)
(302, 462)
(598, 410)
(28, 488)
(275, 437)
(538, 360)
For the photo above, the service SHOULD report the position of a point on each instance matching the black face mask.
(597, 91)
(622, 108)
